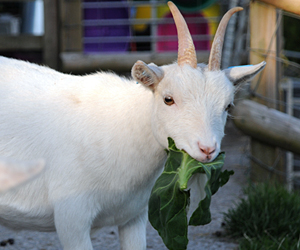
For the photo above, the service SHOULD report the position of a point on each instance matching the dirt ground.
(208, 237)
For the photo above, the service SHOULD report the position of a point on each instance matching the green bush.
(268, 218)
(269, 243)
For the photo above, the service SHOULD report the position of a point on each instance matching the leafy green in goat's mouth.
(169, 197)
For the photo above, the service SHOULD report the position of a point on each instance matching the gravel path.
(203, 237)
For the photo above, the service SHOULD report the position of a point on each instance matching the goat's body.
(80, 126)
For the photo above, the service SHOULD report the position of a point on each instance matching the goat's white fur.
(103, 139)
(14, 173)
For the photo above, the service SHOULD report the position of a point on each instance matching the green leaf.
(169, 197)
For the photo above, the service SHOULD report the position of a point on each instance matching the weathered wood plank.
(268, 125)
(80, 62)
(15, 1)
(22, 42)
(292, 6)
(263, 48)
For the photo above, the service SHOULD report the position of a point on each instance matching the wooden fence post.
(51, 47)
(71, 29)
(263, 27)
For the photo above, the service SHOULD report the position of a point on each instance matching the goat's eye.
(228, 107)
(168, 100)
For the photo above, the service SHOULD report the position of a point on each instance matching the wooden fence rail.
(268, 125)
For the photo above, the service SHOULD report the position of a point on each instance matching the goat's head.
(192, 100)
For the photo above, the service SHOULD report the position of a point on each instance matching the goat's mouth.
(194, 157)
(184, 151)
(204, 158)
(203, 154)
(207, 160)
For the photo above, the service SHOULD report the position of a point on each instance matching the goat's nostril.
(207, 150)
(212, 151)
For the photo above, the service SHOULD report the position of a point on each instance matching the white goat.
(104, 137)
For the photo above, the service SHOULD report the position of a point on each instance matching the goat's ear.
(241, 74)
(149, 75)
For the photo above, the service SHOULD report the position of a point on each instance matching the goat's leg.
(73, 224)
(133, 234)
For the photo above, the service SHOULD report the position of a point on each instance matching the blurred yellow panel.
(162, 11)
(212, 11)
(141, 13)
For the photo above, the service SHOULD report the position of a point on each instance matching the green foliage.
(169, 197)
(268, 242)
(268, 218)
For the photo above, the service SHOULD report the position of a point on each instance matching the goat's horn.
(186, 49)
(214, 62)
